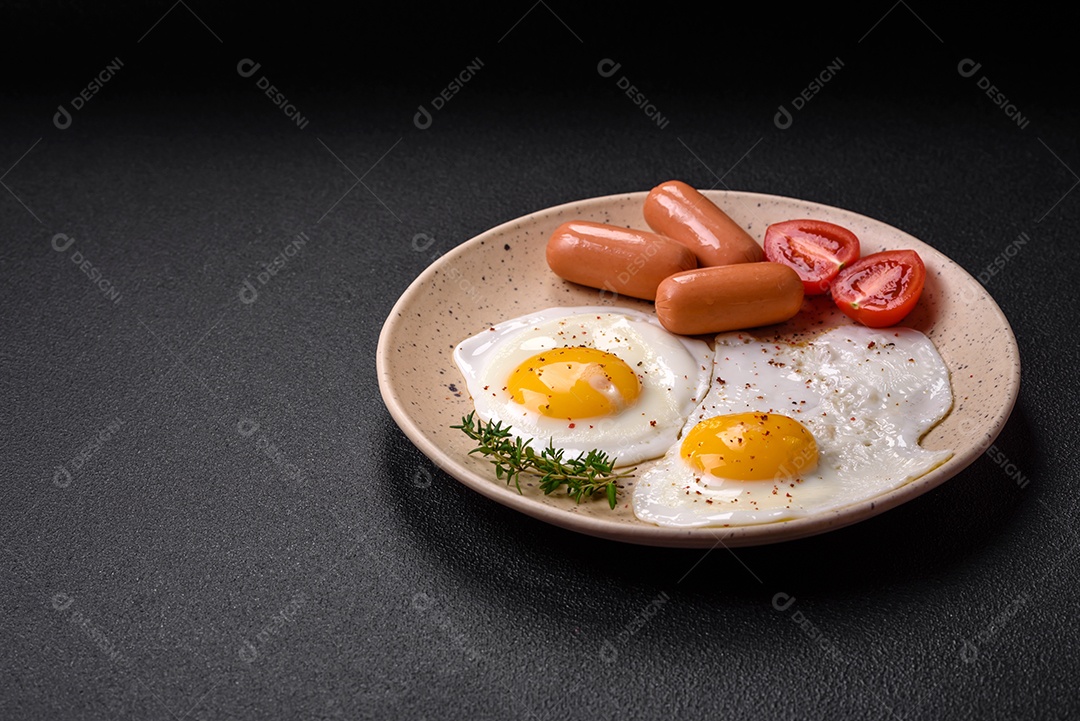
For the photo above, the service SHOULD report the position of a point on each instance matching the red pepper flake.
(570, 426)
(652, 423)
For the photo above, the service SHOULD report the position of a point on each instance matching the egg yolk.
(751, 447)
(574, 383)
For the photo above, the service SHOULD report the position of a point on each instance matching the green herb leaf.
(584, 476)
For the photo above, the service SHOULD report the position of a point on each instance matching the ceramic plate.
(502, 274)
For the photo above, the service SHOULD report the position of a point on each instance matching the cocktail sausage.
(680, 212)
(619, 260)
(728, 297)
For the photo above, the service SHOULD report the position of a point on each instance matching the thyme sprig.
(584, 476)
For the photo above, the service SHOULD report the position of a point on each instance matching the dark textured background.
(138, 587)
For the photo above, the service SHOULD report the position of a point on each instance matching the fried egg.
(800, 426)
(586, 378)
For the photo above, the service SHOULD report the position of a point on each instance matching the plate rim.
(662, 536)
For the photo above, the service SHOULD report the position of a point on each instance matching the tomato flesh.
(816, 249)
(880, 289)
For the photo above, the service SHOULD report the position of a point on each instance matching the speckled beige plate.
(502, 274)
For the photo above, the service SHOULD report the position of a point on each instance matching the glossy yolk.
(574, 383)
(751, 447)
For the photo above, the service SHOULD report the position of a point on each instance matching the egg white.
(674, 372)
(867, 395)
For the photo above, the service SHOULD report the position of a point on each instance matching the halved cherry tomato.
(882, 288)
(816, 249)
